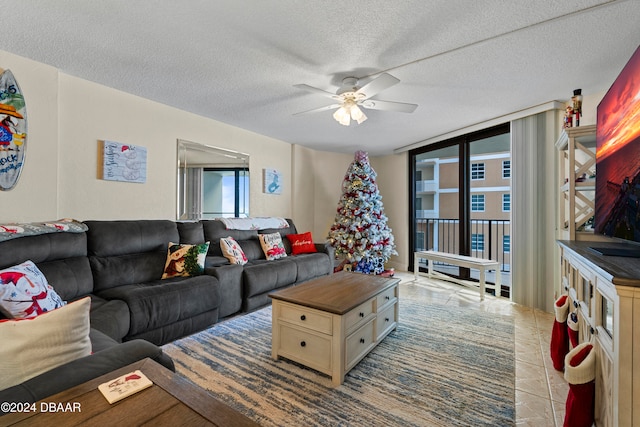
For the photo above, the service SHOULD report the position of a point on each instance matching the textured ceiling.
(462, 62)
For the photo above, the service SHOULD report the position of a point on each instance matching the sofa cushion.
(232, 251)
(43, 247)
(191, 232)
(129, 269)
(128, 252)
(159, 303)
(264, 276)
(310, 266)
(272, 246)
(36, 345)
(184, 260)
(70, 277)
(25, 292)
(117, 238)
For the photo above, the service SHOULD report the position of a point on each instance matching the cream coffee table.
(330, 323)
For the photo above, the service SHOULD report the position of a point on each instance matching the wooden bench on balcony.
(483, 265)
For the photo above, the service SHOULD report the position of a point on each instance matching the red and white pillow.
(232, 251)
(32, 346)
(272, 246)
(302, 243)
(25, 292)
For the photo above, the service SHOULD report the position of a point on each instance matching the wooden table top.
(171, 400)
(337, 293)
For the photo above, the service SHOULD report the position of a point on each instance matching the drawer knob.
(361, 314)
(575, 304)
(361, 340)
(387, 298)
(303, 317)
(386, 319)
(303, 344)
(591, 330)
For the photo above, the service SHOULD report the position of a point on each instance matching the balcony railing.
(491, 238)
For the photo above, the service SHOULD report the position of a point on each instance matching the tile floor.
(541, 391)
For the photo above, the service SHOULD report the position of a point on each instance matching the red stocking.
(580, 373)
(559, 336)
(572, 328)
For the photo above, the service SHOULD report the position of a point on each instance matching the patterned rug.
(443, 366)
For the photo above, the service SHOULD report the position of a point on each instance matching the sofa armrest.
(84, 369)
(327, 249)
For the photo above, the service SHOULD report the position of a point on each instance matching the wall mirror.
(213, 182)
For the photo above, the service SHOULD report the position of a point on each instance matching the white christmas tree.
(360, 233)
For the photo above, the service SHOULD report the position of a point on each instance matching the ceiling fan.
(350, 97)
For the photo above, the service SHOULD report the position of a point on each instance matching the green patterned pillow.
(185, 260)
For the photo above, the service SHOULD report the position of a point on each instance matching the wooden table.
(330, 323)
(172, 401)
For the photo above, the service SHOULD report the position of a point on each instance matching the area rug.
(443, 366)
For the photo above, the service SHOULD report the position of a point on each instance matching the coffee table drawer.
(310, 349)
(386, 297)
(386, 320)
(307, 318)
(359, 343)
(358, 315)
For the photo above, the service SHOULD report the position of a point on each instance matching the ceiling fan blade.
(374, 104)
(315, 110)
(316, 90)
(380, 83)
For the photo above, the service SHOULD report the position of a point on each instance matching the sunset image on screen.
(619, 112)
(617, 201)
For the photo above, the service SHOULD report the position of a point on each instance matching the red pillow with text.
(302, 243)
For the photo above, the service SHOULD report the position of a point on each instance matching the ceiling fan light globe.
(357, 114)
(342, 116)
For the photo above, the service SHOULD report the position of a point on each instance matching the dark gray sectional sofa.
(119, 265)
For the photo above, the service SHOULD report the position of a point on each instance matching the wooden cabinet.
(605, 291)
(576, 175)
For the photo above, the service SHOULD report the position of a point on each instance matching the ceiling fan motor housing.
(349, 84)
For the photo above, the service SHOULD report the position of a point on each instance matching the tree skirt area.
(442, 366)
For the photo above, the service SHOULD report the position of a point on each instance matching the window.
(506, 202)
(477, 171)
(506, 169)
(477, 242)
(477, 203)
(506, 244)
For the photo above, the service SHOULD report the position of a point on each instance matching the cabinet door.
(604, 387)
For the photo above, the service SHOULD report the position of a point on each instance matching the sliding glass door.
(461, 199)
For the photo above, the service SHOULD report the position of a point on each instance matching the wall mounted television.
(617, 199)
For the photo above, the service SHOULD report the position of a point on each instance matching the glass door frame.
(464, 185)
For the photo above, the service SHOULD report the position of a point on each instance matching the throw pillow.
(36, 345)
(232, 251)
(272, 246)
(185, 260)
(302, 243)
(25, 292)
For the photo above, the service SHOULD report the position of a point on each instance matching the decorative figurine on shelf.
(568, 117)
(576, 99)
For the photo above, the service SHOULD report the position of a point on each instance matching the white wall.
(393, 184)
(68, 116)
(35, 196)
